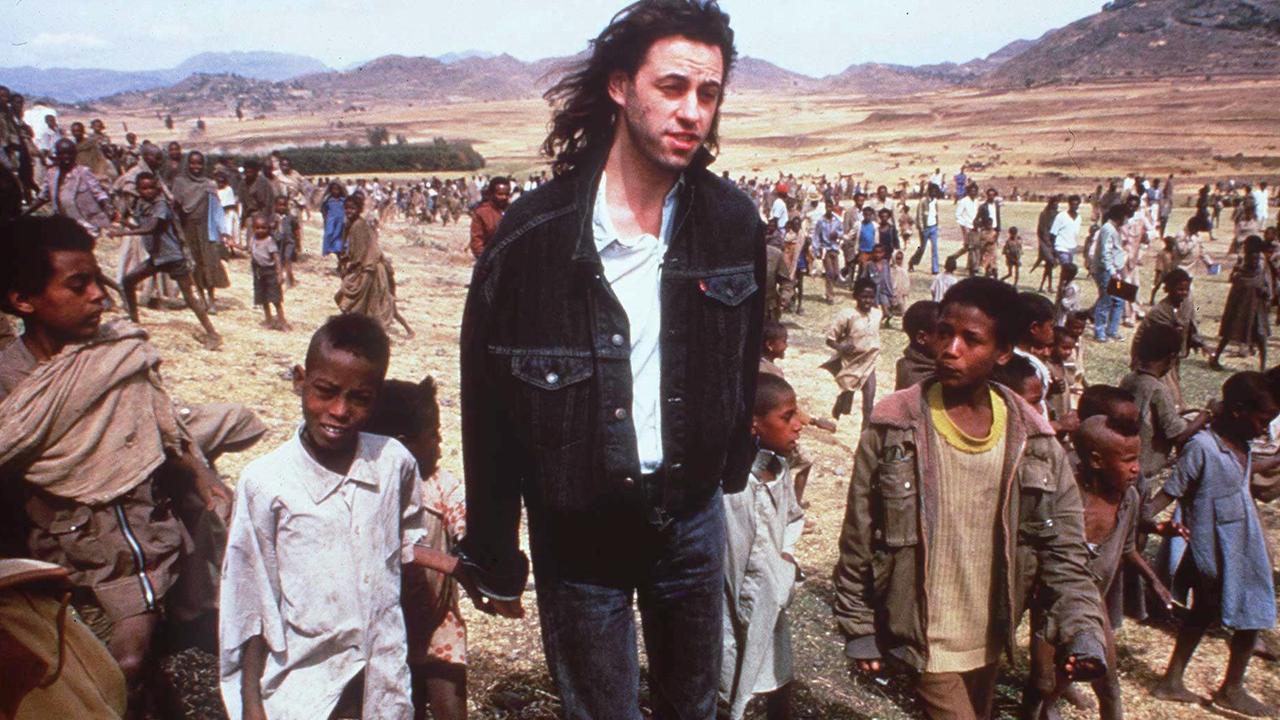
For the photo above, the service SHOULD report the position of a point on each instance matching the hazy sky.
(817, 37)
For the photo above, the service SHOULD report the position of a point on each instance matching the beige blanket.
(93, 422)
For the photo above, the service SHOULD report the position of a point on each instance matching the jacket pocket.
(1035, 516)
(1229, 509)
(728, 310)
(897, 486)
(554, 395)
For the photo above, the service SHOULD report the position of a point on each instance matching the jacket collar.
(586, 180)
(907, 408)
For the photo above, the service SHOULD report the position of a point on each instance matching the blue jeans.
(1107, 311)
(588, 572)
(931, 236)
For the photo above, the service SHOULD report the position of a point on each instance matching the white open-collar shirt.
(313, 566)
(633, 268)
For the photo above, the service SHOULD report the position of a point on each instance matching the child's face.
(338, 393)
(261, 228)
(70, 306)
(1251, 423)
(776, 348)
(1179, 292)
(1064, 348)
(1075, 328)
(1116, 461)
(1042, 333)
(779, 429)
(148, 189)
(866, 299)
(352, 209)
(281, 206)
(1043, 352)
(967, 347)
(1032, 390)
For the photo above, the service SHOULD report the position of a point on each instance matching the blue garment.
(1227, 544)
(335, 216)
(218, 225)
(931, 236)
(868, 236)
(826, 234)
(585, 607)
(1107, 311)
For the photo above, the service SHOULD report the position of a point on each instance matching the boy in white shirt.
(311, 625)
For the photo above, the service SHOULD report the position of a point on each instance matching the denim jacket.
(546, 371)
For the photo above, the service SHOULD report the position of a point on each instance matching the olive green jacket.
(880, 601)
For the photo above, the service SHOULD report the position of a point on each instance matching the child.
(1062, 375)
(925, 473)
(433, 619)
(1175, 310)
(875, 269)
(1162, 426)
(165, 254)
(1108, 454)
(1020, 376)
(1166, 260)
(1068, 298)
(762, 524)
(900, 283)
(286, 232)
(1036, 339)
(368, 286)
(87, 426)
(1246, 318)
(1013, 256)
(916, 363)
(1075, 326)
(1227, 562)
(855, 336)
(775, 348)
(310, 625)
(335, 218)
(942, 283)
(265, 260)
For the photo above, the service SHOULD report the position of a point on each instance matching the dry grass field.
(1053, 138)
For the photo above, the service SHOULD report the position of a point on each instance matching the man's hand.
(215, 494)
(1082, 668)
(512, 609)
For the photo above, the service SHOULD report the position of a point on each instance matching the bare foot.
(212, 342)
(1174, 692)
(283, 326)
(1236, 699)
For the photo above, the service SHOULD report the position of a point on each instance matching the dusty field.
(1036, 139)
(508, 678)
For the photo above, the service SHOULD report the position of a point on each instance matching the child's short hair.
(774, 331)
(1102, 400)
(1174, 277)
(950, 264)
(1060, 332)
(771, 391)
(144, 175)
(405, 409)
(1253, 244)
(355, 333)
(1248, 390)
(1013, 229)
(28, 244)
(864, 284)
(996, 300)
(1015, 374)
(922, 316)
(1157, 343)
(1036, 309)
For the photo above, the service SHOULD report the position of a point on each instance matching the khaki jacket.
(880, 601)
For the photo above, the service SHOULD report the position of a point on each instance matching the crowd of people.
(623, 379)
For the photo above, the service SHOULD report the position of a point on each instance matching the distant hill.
(453, 57)
(79, 84)
(1137, 39)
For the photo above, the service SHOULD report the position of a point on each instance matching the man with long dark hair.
(609, 357)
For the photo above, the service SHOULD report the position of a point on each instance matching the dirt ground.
(1036, 139)
(508, 678)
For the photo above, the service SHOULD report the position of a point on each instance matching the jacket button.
(617, 340)
(628, 481)
(1048, 523)
(552, 378)
(906, 486)
(620, 414)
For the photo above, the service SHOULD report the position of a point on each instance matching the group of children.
(339, 597)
